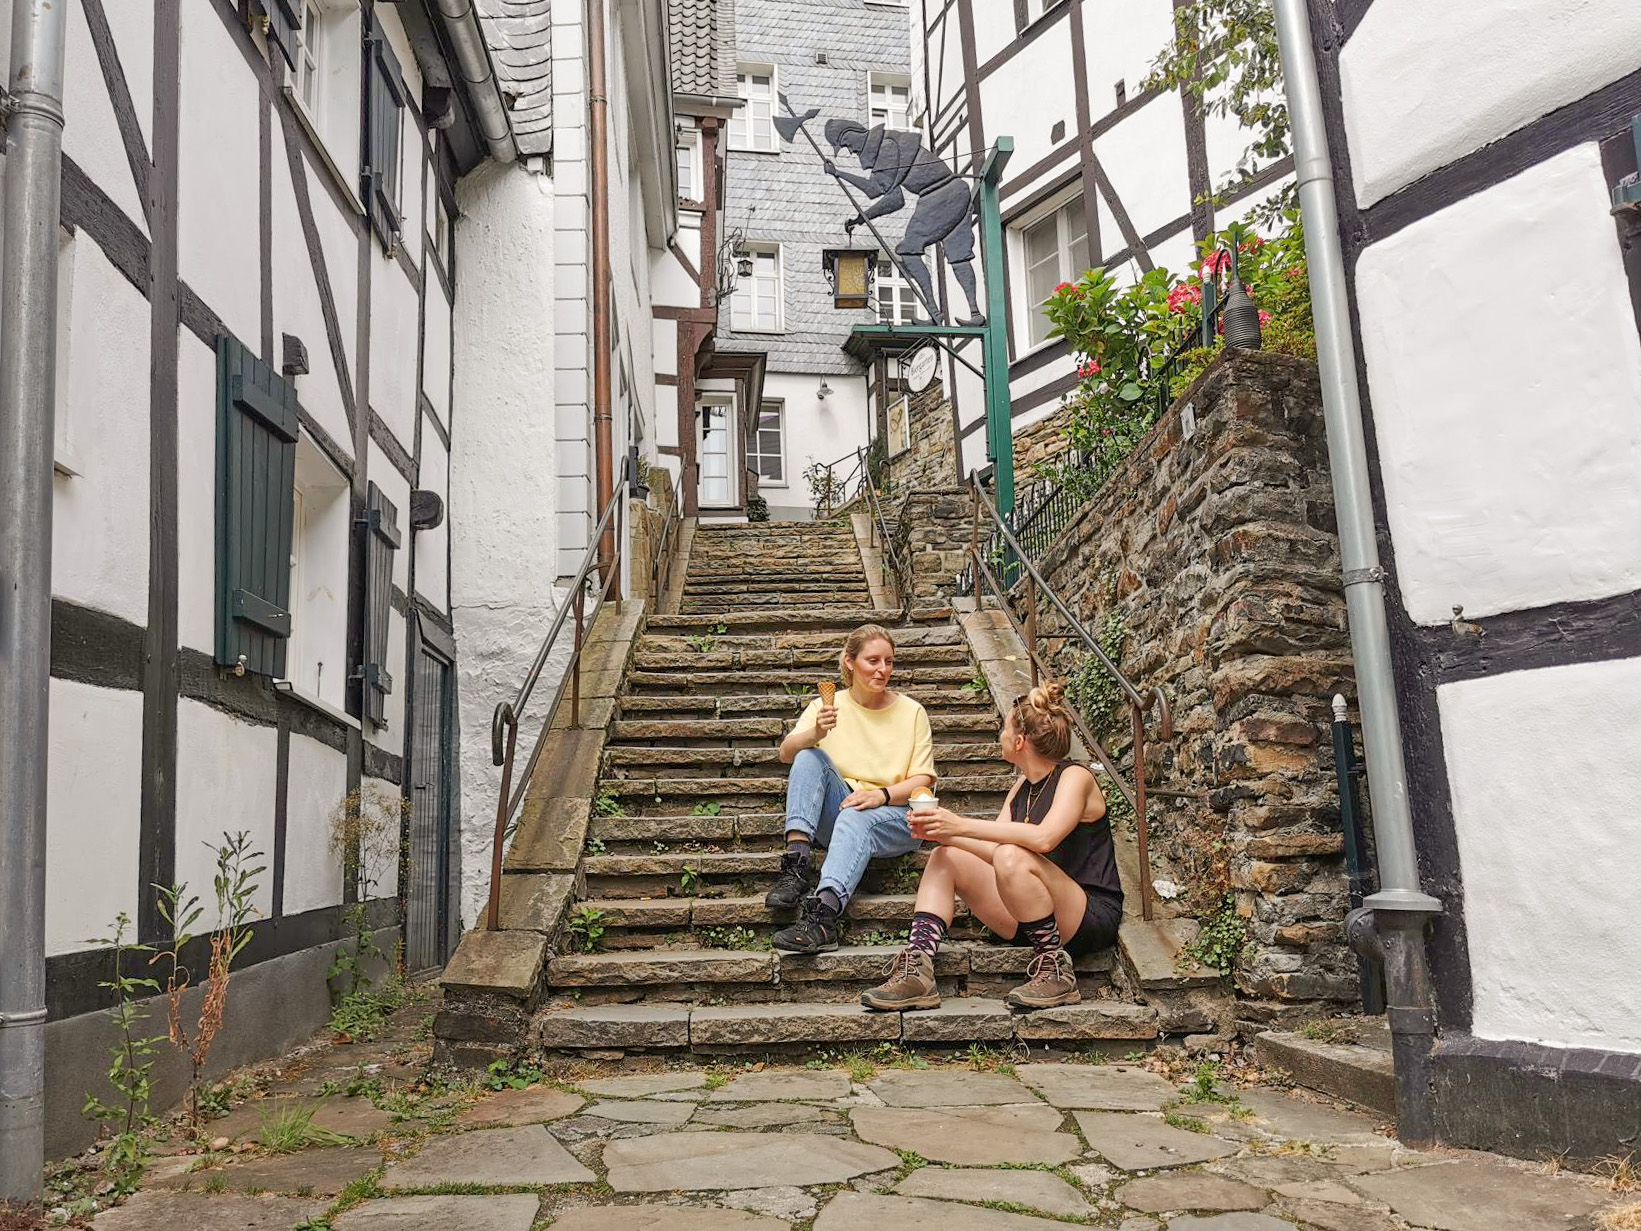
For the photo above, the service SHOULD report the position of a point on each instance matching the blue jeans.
(815, 792)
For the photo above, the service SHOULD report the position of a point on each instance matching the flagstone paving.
(879, 1141)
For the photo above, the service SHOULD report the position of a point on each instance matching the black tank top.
(1085, 854)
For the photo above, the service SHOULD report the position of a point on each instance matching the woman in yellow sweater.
(855, 764)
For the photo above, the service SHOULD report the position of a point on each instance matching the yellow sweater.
(876, 748)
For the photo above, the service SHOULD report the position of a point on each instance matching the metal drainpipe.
(599, 166)
(28, 361)
(1392, 921)
(461, 23)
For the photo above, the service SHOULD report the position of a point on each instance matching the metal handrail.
(837, 493)
(1138, 702)
(879, 528)
(504, 723)
(665, 553)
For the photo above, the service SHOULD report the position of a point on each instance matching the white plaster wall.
(1029, 94)
(383, 868)
(92, 137)
(1545, 769)
(432, 546)
(196, 493)
(436, 350)
(393, 342)
(993, 29)
(340, 245)
(1121, 39)
(132, 26)
(502, 506)
(93, 798)
(1424, 84)
(318, 783)
(99, 555)
(227, 771)
(1145, 158)
(217, 174)
(1511, 452)
(816, 431)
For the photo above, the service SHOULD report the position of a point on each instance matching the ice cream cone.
(827, 690)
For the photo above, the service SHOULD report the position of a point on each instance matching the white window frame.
(724, 402)
(746, 290)
(690, 142)
(885, 82)
(335, 137)
(309, 73)
(754, 452)
(1037, 9)
(908, 308)
(746, 133)
(319, 495)
(1025, 308)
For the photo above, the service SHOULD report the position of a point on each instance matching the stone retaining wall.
(931, 460)
(1214, 550)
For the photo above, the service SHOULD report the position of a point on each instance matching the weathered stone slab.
(1331, 1216)
(1098, 1087)
(711, 1160)
(781, 1202)
(642, 1085)
(661, 1218)
(1013, 960)
(859, 962)
(1137, 1143)
(622, 969)
(962, 1020)
(504, 962)
(499, 1212)
(1283, 1115)
(874, 1212)
(1190, 1190)
(970, 1135)
(1038, 1190)
(1362, 1075)
(1094, 1019)
(778, 1085)
(166, 1211)
(643, 1112)
(791, 1023)
(535, 901)
(1320, 1190)
(945, 1088)
(513, 1107)
(1230, 1222)
(1480, 1195)
(523, 1157)
(350, 1117)
(1152, 955)
(653, 1024)
(765, 1115)
(552, 829)
(322, 1172)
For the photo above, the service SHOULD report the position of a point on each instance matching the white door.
(717, 491)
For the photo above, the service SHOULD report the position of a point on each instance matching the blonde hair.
(858, 641)
(1042, 718)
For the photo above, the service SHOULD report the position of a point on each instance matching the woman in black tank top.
(1042, 874)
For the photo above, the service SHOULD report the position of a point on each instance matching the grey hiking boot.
(1050, 980)
(792, 885)
(910, 984)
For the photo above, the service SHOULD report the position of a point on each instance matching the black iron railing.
(891, 561)
(666, 546)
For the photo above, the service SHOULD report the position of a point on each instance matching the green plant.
(360, 1015)
(293, 1129)
(364, 832)
(1204, 1086)
(1323, 1031)
(595, 846)
(506, 1075)
(1093, 690)
(712, 809)
(689, 882)
(702, 643)
(795, 690)
(976, 686)
(757, 508)
(826, 488)
(585, 928)
(234, 886)
(606, 803)
(1222, 939)
(733, 938)
(319, 1222)
(1190, 1124)
(130, 1068)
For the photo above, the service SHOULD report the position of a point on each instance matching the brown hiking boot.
(910, 985)
(1050, 980)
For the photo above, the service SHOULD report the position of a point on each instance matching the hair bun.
(1048, 697)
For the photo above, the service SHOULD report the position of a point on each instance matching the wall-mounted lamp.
(849, 271)
(825, 390)
(734, 263)
(1627, 196)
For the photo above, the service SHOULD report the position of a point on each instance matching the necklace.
(1034, 792)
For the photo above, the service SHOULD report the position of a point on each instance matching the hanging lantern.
(849, 271)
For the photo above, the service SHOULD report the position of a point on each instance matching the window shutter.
(383, 125)
(381, 541)
(257, 430)
(284, 26)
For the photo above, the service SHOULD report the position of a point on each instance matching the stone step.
(793, 570)
(630, 762)
(734, 1027)
(939, 702)
(719, 682)
(825, 641)
(719, 731)
(827, 583)
(820, 660)
(795, 619)
(746, 603)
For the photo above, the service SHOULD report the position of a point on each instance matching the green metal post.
(994, 343)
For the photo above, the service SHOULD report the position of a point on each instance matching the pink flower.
(1264, 317)
(1295, 272)
(1064, 286)
(1215, 263)
(1091, 368)
(1183, 294)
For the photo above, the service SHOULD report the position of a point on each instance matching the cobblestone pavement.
(987, 1141)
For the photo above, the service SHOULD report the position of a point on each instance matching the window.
(691, 181)
(717, 485)
(756, 305)
(1054, 250)
(752, 126)
(766, 451)
(316, 655)
(1036, 8)
(891, 100)
(324, 52)
(897, 302)
(308, 71)
(442, 231)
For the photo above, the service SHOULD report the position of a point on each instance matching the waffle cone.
(827, 690)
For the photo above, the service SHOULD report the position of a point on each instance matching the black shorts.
(1097, 931)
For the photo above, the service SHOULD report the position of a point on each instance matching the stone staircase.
(687, 828)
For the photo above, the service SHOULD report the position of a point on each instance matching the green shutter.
(384, 122)
(284, 23)
(381, 541)
(257, 429)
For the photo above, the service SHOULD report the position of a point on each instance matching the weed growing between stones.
(689, 882)
(712, 809)
(732, 938)
(1189, 1123)
(506, 1075)
(1324, 1031)
(361, 1013)
(877, 937)
(1223, 937)
(293, 1129)
(606, 803)
(585, 929)
(130, 1069)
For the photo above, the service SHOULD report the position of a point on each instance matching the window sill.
(319, 706)
(744, 149)
(773, 486)
(768, 333)
(349, 191)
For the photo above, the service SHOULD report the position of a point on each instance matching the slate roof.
(519, 34)
(701, 41)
